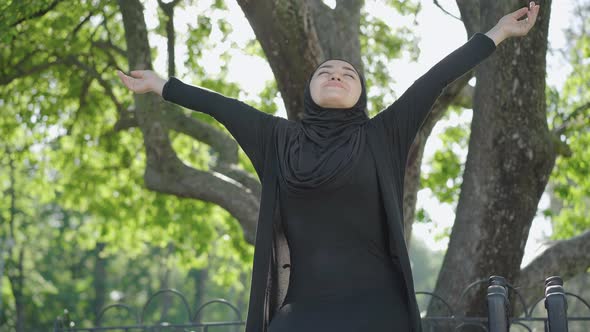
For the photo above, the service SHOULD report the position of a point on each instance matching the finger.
(127, 80)
(532, 15)
(137, 73)
(519, 13)
(121, 75)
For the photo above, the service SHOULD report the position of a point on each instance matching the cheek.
(313, 90)
(356, 90)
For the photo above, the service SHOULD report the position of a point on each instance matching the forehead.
(334, 63)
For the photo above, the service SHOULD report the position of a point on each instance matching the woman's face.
(335, 84)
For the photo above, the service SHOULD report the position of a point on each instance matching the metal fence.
(65, 323)
(498, 318)
(535, 316)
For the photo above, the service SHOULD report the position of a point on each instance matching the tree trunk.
(17, 283)
(297, 35)
(200, 281)
(165, 283)
(99, 281)
(508, 164)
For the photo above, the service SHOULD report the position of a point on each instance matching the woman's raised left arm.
(403, 118)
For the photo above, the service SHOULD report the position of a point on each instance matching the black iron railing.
(498, 319)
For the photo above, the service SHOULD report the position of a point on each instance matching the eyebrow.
(345, 67)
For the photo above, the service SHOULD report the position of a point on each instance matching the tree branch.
(465, 97)
(338, 30)
(19, 72)
(288, 37)
(96, 75)
(106, 44)
(571, 119)
(561, 147)
(351, 6)
(470, 15)
(445, 11)
(225, 146)
(82, 102)
(565, 258)
(80, 25)
(245, 178)
(168, 9)
(36, 14)
(126, 120)
(209, 187)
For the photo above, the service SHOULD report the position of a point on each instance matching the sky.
(252, 72)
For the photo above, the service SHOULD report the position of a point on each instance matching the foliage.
(425, 266)
(77, 182)
(446, 166)
(569, 111)
(380, 43)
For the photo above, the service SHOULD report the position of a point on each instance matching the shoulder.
(284, 127)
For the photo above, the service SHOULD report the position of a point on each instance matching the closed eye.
(325, 72)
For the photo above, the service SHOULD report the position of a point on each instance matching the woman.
(330, 253)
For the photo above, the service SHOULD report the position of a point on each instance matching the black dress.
(341, 271)
(340, 279)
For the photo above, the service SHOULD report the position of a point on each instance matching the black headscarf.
(328, 142)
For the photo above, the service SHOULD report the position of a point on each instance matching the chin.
(334, 103)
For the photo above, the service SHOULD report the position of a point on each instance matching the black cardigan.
(390, 134)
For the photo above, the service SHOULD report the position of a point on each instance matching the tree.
(70, 181)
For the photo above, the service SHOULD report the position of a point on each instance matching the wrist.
(496, 34)
(159, 86)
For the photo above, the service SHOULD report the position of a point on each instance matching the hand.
(142, 81)
(510, 25)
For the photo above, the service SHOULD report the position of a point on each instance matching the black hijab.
(319, 155)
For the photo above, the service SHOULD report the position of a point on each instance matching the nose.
(335, 78)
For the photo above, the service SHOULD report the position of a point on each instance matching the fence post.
(556, 305)
(497, 300)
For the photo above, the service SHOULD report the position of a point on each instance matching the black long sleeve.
(249, 126)
(403, 118)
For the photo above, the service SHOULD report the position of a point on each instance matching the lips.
(340, 85)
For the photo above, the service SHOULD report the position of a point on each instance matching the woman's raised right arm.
(232, 113)
(250, 127)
